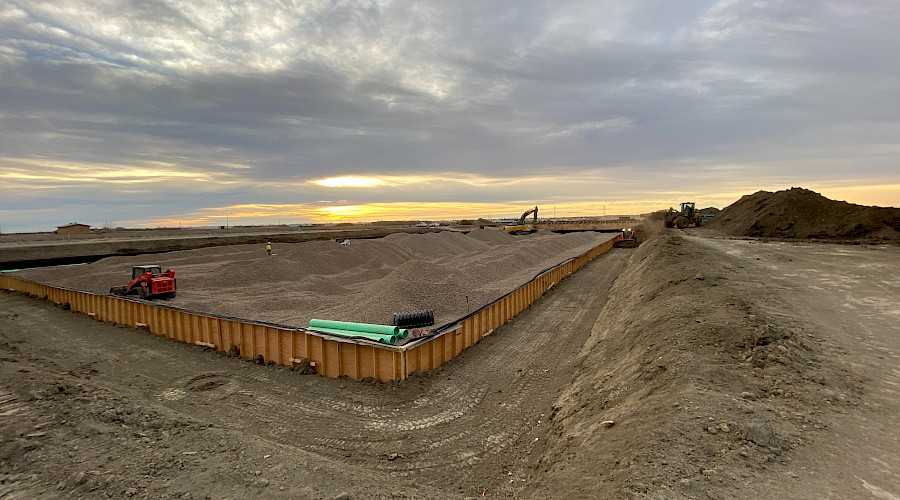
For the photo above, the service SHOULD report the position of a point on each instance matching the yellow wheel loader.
(687, 216)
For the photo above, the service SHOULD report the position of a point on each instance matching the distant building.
(74, 228)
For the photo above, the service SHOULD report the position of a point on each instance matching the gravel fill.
(367, 281)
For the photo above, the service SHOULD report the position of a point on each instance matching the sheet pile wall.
(329, 356)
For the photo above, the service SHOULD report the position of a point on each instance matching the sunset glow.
(324, 212)
(312, 112)
(349, 181)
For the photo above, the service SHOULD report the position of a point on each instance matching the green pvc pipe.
(356, 327)
(377, 337)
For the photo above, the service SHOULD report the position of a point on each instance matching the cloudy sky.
(161, 112)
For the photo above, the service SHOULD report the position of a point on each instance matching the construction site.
(753, 354)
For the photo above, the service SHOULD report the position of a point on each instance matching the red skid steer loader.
(148, 282)
(626, 240)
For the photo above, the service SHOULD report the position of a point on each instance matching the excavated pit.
(368, 281)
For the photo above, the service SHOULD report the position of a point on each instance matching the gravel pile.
(367, 281)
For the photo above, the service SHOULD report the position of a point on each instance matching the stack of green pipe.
(378, 337)
(379, 333)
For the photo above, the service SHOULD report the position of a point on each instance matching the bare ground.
(736, 369)
(730, 368)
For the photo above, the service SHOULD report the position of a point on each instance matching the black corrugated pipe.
(414, 319)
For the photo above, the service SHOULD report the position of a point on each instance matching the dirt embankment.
(803, 214)
(688, 386)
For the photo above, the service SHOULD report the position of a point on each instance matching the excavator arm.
(519, 227)
(526, 214)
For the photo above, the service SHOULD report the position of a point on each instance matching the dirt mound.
(679, 386)
(801, 213)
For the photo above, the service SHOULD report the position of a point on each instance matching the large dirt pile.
(683, 387)
(801, 213)
(452, 273)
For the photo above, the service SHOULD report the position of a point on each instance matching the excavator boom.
(520, 226)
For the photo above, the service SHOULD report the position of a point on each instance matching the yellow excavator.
(519, 227)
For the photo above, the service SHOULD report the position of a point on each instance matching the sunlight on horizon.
(266, 214)
(374, 212)
(349, 181)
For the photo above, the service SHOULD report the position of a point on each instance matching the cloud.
(255, 101)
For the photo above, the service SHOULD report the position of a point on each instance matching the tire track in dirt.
(475, 409)
(11, 405)
(475, 419)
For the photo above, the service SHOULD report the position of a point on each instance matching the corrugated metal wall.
(330, 356)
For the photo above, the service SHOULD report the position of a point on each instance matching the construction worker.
(269, 248)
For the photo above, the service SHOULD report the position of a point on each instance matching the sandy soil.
(729, 368)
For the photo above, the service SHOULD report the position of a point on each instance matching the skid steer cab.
(148, 282)
(627, 239)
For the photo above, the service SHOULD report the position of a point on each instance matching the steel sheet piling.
(331, 356)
